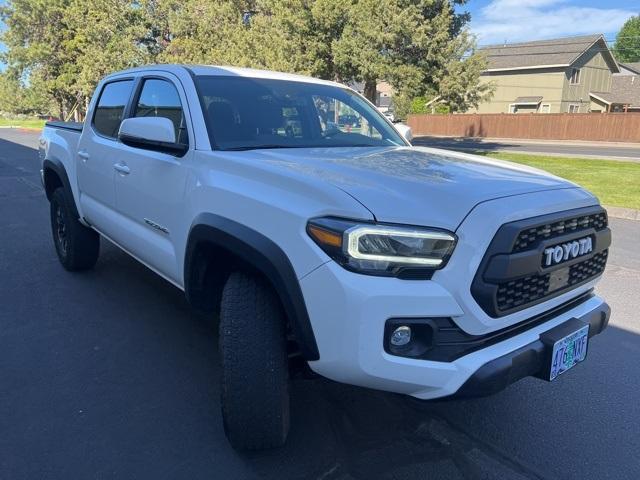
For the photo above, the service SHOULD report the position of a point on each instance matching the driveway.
(109, 374)
(603, 150)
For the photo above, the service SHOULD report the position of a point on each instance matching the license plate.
(569, 351)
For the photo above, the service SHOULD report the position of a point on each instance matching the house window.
(575, 76)
(574, 108)
(545, 108)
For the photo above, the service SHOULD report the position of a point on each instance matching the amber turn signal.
(325, 237)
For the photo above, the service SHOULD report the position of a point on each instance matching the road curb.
(566, 155)
(624, 213)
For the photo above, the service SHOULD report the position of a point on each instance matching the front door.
(150, 185)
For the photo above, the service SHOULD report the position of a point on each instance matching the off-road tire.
(77, 246)
(255, 375)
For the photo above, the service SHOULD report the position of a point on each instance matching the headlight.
(388, 250)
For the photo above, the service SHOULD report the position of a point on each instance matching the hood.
(414, 185)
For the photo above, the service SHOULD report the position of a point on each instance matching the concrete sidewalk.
(622, 212)
(533, 141)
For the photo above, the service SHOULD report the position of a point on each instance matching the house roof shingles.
(528, 100)
(542, 53)
(625, 90)
(634, 66)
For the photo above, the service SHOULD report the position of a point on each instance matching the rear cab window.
(110, 108)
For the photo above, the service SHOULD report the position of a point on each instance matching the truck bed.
(75, 126)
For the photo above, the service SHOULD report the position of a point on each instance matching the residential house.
(384, 94)
(548, 76)
(630, 68)
(624, 95)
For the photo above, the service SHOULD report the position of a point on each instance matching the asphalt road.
(570, 149)
(109, 374)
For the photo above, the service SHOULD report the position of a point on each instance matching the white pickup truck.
(294, 210)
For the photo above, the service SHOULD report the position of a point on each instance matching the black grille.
(529, 289)
(511, 278)
(531, 236)
(582, 271)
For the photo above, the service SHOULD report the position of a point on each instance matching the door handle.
(84, 155)
(122, 169)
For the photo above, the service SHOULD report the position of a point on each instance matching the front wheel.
(255, 375)
(77, 246)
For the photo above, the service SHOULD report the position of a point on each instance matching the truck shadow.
(464, 144)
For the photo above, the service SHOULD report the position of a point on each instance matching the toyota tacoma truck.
(333, 245)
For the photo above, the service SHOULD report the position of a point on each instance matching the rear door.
(150, 189)
(98, 150)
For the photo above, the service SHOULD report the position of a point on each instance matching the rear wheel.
(255, 375)
(77, 246)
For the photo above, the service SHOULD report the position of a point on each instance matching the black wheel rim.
(61, 231)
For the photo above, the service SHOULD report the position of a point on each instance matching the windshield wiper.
(275, 145)
(261, 147)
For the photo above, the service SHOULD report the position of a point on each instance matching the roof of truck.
(228, 71)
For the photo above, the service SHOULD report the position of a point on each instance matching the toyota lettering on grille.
(567, 251)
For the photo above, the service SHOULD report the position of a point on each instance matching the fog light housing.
(401, 336)
(408, 337)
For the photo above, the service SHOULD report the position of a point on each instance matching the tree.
(202, 32)
(421, 47)
(68, 45)
(627, 46)
(36, 39)
(18, 97)
(107, 36)
(10, 92)
(268, 34)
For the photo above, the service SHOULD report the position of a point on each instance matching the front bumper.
(530, 360)
(349, 311)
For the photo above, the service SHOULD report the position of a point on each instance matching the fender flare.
(58, 168)
(266, 257)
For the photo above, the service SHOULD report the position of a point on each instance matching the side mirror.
(404, 130)
(151, 133)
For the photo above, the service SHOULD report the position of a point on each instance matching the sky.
(497, 21)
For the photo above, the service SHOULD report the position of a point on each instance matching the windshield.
(249, 113)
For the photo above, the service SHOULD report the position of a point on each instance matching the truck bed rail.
(75, 126)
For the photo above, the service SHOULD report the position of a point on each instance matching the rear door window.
(110, 108)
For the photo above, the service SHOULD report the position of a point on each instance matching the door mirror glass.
(151, 133)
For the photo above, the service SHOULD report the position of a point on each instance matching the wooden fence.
(609, 127)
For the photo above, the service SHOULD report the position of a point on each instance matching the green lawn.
(615, 183)
(23, 123)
